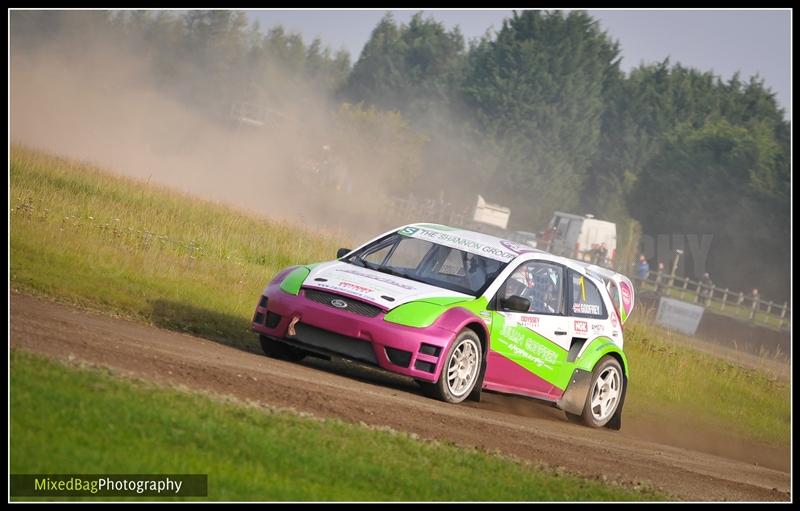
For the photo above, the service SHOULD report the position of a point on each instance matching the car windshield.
(428, 262)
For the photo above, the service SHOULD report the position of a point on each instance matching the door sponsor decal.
(597, 329)
(581, 327)
(532, 352)
(529, 322)
(515, 340)
(586, 308)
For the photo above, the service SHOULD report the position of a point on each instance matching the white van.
(581, 238)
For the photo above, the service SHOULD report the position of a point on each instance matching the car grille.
(354, 306)
(331, 342)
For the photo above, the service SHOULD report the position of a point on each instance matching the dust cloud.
(100, 103)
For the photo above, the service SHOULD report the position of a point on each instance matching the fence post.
(753, 309)
(783, 314)
(678, 254)
(724, 299)
(739, 303)
(697, 292)
(685, 284)
(709, 295)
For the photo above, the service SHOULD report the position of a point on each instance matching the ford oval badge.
(341, 304)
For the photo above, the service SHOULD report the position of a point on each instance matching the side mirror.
(342, 252)
(515, 303)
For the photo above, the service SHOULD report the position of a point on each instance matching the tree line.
(537, 116)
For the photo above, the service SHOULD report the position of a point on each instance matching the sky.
(753, 42)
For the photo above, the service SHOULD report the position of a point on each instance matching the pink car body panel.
(379, 333)
(506, 376)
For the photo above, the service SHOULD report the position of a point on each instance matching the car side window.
(539, 282)
(586, 298)
(613, 293)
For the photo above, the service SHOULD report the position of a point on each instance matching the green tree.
(406, 67)
(537, 92)
(728, 181)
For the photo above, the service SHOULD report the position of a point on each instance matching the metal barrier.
(724, 301)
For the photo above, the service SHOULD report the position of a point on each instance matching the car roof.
(499, 248)
(482, 244)
(493, 247)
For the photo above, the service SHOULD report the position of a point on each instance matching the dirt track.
(676, 461)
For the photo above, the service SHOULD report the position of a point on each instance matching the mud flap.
(616, 420)
(475, 395)
(574, 398)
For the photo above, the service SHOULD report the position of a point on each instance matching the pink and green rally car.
(461, 312)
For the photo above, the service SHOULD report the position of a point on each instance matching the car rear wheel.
(280, 350)
(461, 369)
(605, 394)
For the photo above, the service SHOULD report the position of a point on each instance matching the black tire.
(599, 416)
(281, 350)
(468, 345)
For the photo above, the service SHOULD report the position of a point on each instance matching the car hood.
(384, 290)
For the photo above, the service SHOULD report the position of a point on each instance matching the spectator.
(643, 268)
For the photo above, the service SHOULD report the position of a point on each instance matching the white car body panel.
(373, 286)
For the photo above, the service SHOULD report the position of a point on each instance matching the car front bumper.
(323, 328)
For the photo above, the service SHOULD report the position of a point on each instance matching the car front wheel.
(461, 369)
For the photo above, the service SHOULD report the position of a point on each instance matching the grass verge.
(68, 420)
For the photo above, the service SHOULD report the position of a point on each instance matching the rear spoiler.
(620, 287)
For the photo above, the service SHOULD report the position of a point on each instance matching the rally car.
(461, 312)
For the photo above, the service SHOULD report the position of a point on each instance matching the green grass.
(110, 243)
(669, 381)
(69, 420)
(90, 238)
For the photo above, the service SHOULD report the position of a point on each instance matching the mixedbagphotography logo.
(109, 485)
